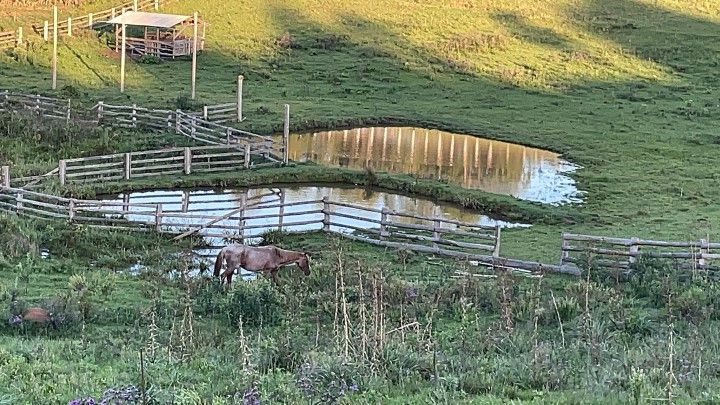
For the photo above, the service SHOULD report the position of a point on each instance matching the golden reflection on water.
(468, 161)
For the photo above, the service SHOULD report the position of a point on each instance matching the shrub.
(257, 303)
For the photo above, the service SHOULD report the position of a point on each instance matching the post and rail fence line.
(621, 254)
(69, 25)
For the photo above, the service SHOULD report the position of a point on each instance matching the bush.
(258, 303)
(149, 59)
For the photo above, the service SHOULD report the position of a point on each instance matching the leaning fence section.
(619, 253)
(10, 39)
(46, 107)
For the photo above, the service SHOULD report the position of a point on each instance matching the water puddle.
(497, 167)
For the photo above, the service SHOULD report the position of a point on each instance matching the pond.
(471, 162)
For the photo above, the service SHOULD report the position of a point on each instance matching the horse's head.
(304, 263)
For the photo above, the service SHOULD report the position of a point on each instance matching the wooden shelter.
(166, 36)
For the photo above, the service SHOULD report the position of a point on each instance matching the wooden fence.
(380, 227)
(619, 253)
(134, 165)
(47, 107)
(222, 113)
(11, 39)
(70, 24)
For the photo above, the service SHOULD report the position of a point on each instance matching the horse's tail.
(219, 263)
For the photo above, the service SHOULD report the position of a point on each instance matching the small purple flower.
(354, 388)
(83, 401)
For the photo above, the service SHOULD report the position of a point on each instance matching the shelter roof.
(149, 19)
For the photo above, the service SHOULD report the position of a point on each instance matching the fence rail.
(619, 253)
(10, 39)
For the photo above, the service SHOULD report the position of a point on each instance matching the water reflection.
(471, 162)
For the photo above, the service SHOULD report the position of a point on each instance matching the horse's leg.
(274, 273)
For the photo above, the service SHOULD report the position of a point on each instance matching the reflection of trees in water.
(471, 162)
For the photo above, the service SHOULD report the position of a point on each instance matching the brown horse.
(267, 259)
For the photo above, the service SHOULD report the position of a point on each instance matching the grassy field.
(628, 89)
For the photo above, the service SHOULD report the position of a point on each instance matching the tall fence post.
(6, 176)
(247, 156)
(46, 31)
(62, 171)
(128, 166)
(19, 37)
(496, 250)
(205, 113)
(187, 163)
(71, 210)
(69, 24)
(101, 108)
(67, 118)
(90, 20)
(112, 15)
(326, 214)
(240, 97)
(241, 220)
(384, 224)
(185, 201)
(158, 217)
(286, 135)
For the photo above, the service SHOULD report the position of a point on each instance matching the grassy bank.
(368, 326)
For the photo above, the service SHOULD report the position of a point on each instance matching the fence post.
(704, 249)
(6, 176)
(187, 164)
(633, 250)
(68, 112)
(112, 15)
(228, 134)
(71, 210)
(241, 220)
(247, 156)
(496, 251)
(101, 108)
(19, 36)
(205, 113)
(157, 5)
(126, 203)
(436, 232)
(383, 224)
(37, 105)
(281, 210)
(128, 166)
(193, 125)
(158, 217)
(46, 31)
(134, 115)
(240, 97)
(177, 122)
(286, 135)
(326, 214)
(69, 27)
(169, 120)
(19, 204)
(62, 171)
(564, 253)
(185, 201)
(135, 5)
(90, 19)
